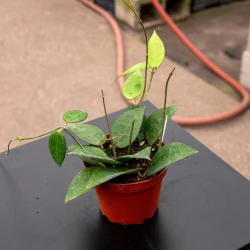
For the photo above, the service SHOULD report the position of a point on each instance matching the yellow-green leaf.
(133, 86)
(136, 67)
(156, 51)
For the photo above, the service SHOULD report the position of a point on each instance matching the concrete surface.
(245, 69)
(220, 33)
(56, 56)
(245, 63)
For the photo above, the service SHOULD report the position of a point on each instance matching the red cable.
(182, 121)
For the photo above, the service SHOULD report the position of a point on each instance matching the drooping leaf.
(76, 151)
(131, 106)
(169, 154)
(91, 155)
(91, 177)
(57, 147)
(153, 125)
(137, 67)
(74, 116)
(123, 124)
(133, 86)
(141, 135)
(89, 133)
(156, 51)
(144, 154)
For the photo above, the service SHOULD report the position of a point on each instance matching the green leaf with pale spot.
(91, 177)
(169, 154)
(137, 67)
(57, 147)
(133, 86)
(74, 116)
(153, 125)
(143, 154)
(123, 124)
(91, 155)
(156, 51)
(89, 133)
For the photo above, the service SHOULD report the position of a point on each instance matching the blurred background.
(56, 55)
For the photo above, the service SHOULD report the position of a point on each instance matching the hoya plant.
(133, 150)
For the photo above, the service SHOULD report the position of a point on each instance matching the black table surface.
(204, 204)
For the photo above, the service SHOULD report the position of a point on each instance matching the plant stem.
(30, 138)
(102, 164)
(139, 173)
(150, 82)
(8, 150)
(106, 116)
(146, 171)
(19, 138)
(146, 38)
(164, 107)
(73, 137)
(130, 138)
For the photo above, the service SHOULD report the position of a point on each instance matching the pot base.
(131, 203)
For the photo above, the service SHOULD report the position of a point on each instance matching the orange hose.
(236, 85)
(182, 121)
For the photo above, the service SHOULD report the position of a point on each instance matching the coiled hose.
(241, 107)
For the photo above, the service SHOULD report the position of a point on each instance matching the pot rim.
(154, 177)
(134, 186)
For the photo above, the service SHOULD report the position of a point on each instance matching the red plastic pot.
(130, 203)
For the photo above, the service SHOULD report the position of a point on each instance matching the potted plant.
(126, 166)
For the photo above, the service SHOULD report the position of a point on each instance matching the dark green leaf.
(123, 124)
(144, 154)
(91, 177)
(89, 133)
(136, 67)
(141, 135)
(153, 125)
(91, 155)
(75, 116)
(133, 86)
(131, 106)
(168, 155)
(57, 147)
(156, 51)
